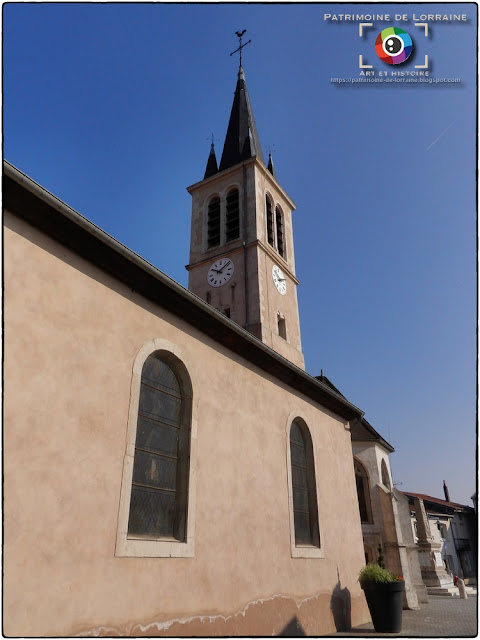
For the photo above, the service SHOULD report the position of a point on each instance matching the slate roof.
(212, 167)
(242, 141)
(360, 429)
(270, 166)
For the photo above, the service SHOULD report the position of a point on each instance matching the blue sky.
(111, 107)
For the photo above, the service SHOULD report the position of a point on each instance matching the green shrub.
(380, 559)
(375, 573)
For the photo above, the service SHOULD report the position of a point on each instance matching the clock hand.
(224, 267)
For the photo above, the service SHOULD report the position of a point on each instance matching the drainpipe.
(245, 237)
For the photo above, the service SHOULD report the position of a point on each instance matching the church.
(170, 468)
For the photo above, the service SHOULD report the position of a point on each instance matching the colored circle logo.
(393, 45)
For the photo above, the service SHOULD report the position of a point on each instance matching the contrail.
(437, 139)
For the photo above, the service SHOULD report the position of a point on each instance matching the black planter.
(385, 602)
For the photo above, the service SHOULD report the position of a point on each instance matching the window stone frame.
(303, 551)
(158, 548)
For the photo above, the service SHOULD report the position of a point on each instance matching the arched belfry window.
(213, 223)
(304, 492)
(385, 475)
(280, 234)
(270, 224)
(232, 222)
(363, 492)
(158, 503)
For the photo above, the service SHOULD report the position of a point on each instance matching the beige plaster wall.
(72, 334)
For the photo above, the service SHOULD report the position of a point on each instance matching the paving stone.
(442, 617)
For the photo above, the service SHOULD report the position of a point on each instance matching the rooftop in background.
(437, 501)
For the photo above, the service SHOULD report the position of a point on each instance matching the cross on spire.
(239, 35)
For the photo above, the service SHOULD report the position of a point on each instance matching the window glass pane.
(297, 454)
(152, 513)
(160, 470)
(385, 477)
(302, 528)
(159, 374)
(154, 471)
(296, 434)
(155, 403)
(156, 437)
(299, 477)
(300, 500)
(363, 492)
(303, 487)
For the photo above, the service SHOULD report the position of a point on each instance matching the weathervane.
(239, 35)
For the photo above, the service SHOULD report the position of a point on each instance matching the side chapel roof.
(360, 429)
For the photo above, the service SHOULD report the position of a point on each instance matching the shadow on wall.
(341, 608)
(293, 629)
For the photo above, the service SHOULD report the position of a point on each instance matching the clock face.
(220, 272)
(279, 280)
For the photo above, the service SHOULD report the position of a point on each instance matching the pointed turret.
(270, 166)
(212, 166)
(242, 141)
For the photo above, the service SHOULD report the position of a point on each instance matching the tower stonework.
(241, 250)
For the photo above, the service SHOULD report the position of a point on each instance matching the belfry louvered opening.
(270, 227)
(213, 223)
(280, 235)
(233, 216)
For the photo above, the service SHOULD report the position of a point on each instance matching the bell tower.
(241, 249)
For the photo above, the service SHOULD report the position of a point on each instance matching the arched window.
(363, 492)
(385, 476)
(304, 492)
(233, 216)
(213, 223)
(270, 227)
(280, 236)
(158, 503)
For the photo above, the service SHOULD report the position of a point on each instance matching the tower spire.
(242, 141)
(212, 167)
(270, 166)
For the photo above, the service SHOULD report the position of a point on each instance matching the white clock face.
(279, 280)
(220, 272)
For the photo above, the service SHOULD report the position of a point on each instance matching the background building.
(450, 529)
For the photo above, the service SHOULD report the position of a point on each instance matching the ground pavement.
(442, 617)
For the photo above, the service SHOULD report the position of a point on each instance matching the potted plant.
(384, 595)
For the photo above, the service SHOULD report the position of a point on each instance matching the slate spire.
(242, 141)
(212, 167)
(270, 166)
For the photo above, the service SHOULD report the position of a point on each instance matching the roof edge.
(25, 198)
